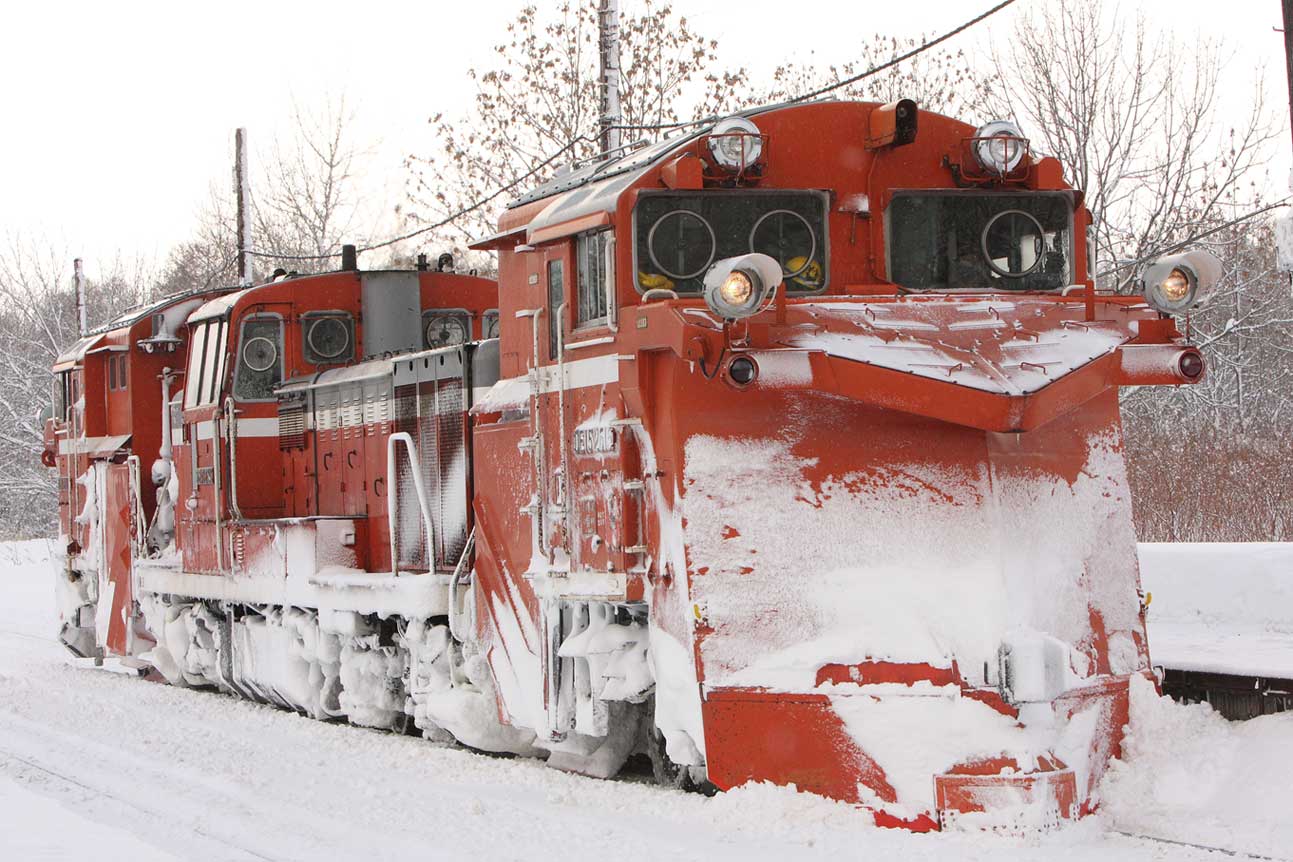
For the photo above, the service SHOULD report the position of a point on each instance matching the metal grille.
(451, 456)
(410, 536)
(291, 424)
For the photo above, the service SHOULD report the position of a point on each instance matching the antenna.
(608, 24)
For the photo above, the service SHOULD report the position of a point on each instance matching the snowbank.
(1190, 775)
(27, 587)
(1222, 608)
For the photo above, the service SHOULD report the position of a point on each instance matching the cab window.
(980, 240)
(679, 235)
(206, 366)
(593, 253)
(328, 337)
(260, 358)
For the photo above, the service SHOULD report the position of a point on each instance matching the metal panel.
(392, 312)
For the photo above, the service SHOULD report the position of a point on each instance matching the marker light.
(1000, 146)
(736, 143)
(1179, 282)
(737, 287)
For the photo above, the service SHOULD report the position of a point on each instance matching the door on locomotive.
(200, 461)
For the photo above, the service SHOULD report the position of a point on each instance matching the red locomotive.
(784, 450)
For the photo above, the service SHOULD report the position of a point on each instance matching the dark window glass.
(328, 338)
(121, 371)
(678, 236)
(556, 295)
(489, 325)
(215, 362)
(197, 351)
(980, 241)
(591, 253)
(445, 328)
(112, 371)
(260, 359)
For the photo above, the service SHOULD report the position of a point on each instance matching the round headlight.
(1176, 286)
(999, 146)
(737, 288)
(735, 143)
(1179, 282)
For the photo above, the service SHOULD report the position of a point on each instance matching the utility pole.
(1288, 54)
(78, 278)
(242, 195)
(608, 25)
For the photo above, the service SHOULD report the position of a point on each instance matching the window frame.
(280, 359)
(823, 195)
(463, 313)
(310, 317)
(605, 249)
(995, 286)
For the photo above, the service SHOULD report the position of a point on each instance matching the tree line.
(1138, 117)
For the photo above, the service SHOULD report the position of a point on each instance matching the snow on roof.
(219, 306)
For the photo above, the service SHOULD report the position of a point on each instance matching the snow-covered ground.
(104, 766)
(1221, 607)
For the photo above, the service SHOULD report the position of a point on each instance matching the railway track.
(100, 792)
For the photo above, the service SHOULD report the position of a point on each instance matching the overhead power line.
(656, 127)
(501, 190)
(875, 70)
(904, 57)
(1196, 237)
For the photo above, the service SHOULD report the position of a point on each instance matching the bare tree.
(38, 320)
(1137, 120)
(537, 107)
(939, 80)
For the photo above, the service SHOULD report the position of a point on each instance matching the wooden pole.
(242, 195)
(608, 25)
(78, 278)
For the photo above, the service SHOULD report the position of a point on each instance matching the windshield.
(980, 240)
(678, 236)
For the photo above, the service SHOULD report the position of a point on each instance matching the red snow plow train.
(787, 450)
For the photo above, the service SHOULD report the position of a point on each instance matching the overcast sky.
(120, 115)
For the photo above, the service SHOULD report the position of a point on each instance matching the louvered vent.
(291, 423)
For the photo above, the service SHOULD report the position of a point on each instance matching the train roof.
(636, 161)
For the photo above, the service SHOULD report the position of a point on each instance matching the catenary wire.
(456, 215)
(888, 64)
(656, 127)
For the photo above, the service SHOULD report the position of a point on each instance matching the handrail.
(231, 440)
(566, 494)
(392, 499)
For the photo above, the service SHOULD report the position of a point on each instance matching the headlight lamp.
(736, 143)
(1179, 282)
(999, 146)
(737, 287)
(1176, 285)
